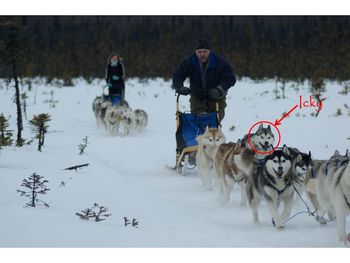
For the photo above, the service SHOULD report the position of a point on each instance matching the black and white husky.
(340, 191)
(318, 188)
(262, 140)
(141, 120)
(302, 165)
(272, 182)
(329, 191)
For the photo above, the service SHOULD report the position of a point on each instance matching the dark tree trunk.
(18, 104)
(33, 191)
(13, 48)
(41, 136)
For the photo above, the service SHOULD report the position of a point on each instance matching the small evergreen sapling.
(39, 124)
(96, 213)
(36, 185)
(5, 134)
(83, 145)
(51, 101)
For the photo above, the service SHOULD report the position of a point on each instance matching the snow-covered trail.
(127, 174)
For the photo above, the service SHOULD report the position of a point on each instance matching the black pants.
(201, 106)
(117, 89)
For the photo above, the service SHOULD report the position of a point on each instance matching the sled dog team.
(118, 119)
(282, 176)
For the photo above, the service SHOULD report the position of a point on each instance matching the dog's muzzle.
(265, 146)
(279, 173)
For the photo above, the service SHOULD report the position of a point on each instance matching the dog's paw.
(281, 227)
(321, 220)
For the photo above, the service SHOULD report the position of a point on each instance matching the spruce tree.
(35, 185)
(83, 145)
(39, 124)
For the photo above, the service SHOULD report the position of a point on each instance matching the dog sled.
(188, 127)
(115, 99)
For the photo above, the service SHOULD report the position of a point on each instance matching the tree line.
(283, 47)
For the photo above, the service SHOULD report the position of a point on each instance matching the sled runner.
(188, 127)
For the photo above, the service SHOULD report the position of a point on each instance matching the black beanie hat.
(202, 44)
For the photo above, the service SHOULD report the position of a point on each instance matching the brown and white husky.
(233, 164)
(207, 147)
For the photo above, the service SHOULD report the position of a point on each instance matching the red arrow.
(278, 122)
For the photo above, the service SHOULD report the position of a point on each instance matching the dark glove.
(183, 91)
(216, 93)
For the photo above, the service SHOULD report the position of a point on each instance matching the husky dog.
(97, 109)
(96, 105)
(207, 147)
(141, 120)
(102, 112)
(302, 164)
(127, 121)
(340, 191)
(318, 188)
(112, 120)
(263, 140)
(233, 163)
(273, 182)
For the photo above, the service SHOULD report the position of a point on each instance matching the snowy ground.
(127, 174)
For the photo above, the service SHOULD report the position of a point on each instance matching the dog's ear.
(260, 128)
(310, 154)
(269, 128)
(239, 142)
(347, 153)
(206, 129)
(285, 149)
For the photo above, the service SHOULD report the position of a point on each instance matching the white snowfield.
(128, 176)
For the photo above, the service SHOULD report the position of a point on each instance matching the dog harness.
(313, 175)
(325, 169)
(281, 191)
(260, 162)
(274, 187)
(346, 201)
